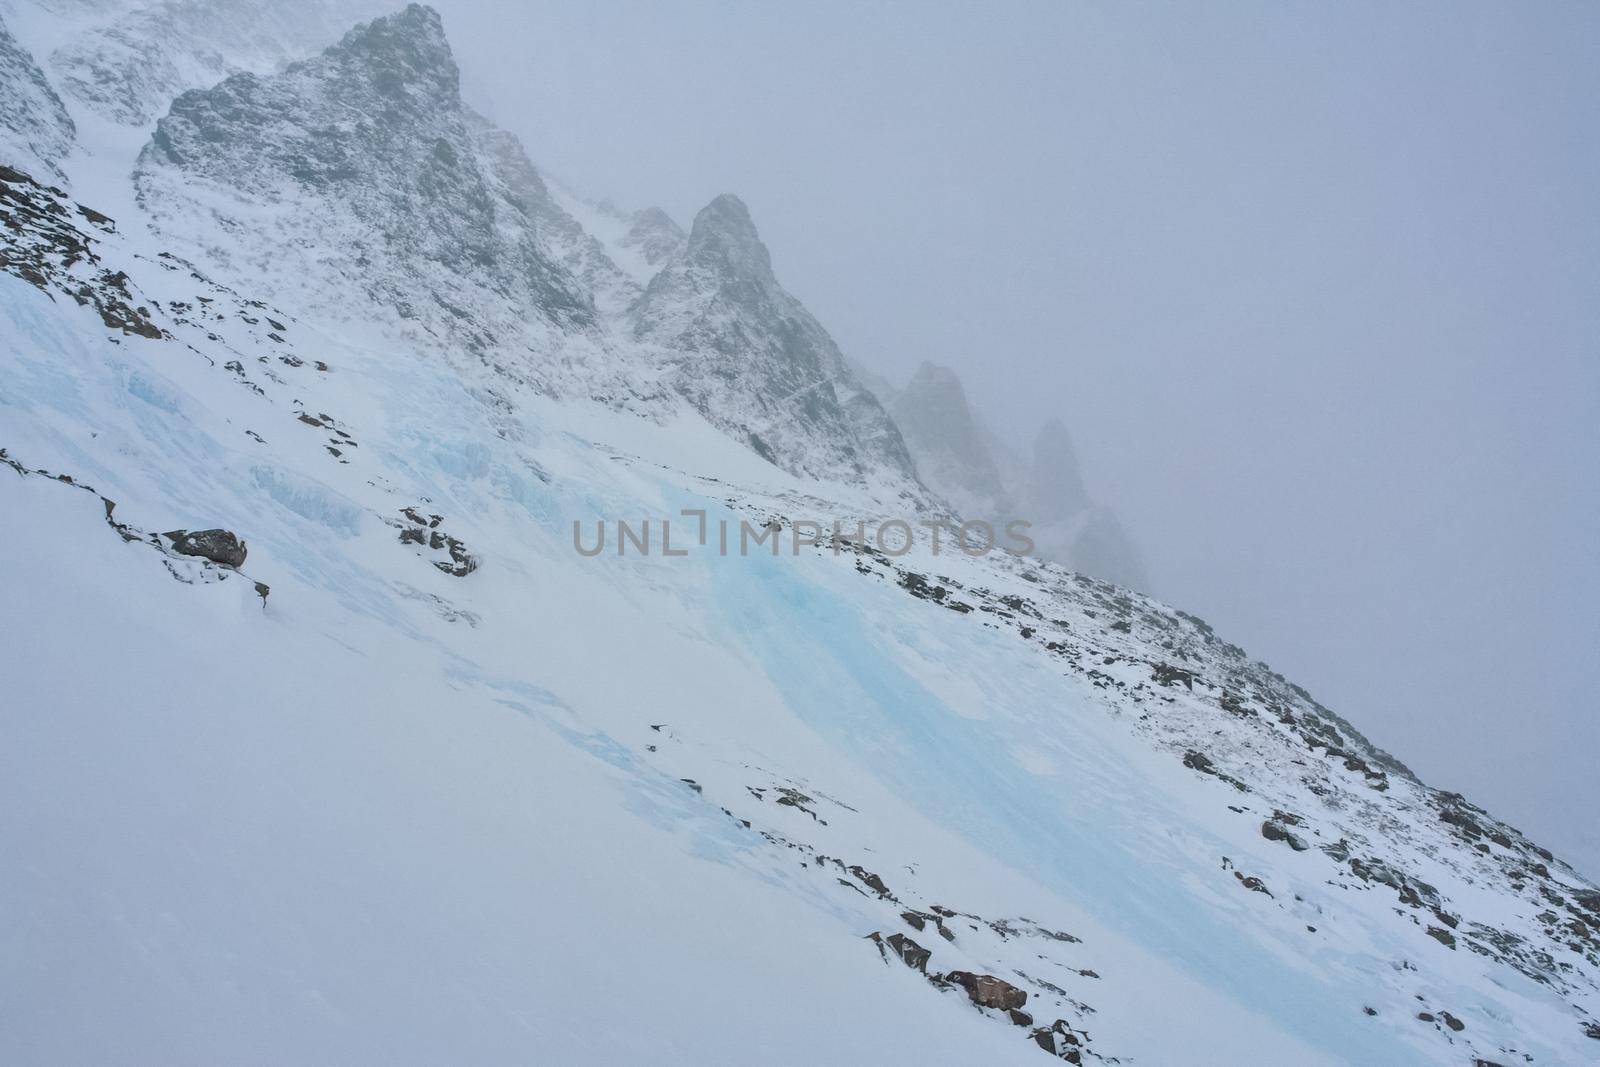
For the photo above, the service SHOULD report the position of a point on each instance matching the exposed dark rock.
(424, 533)
(42, 244)
(1252, 883)
(1199, 761)
(987, 991)
(873, 881)
(1166, 674)
(793, 798)
(219, 546)
(911, 954)
(1061, 1040)
(1275, 831)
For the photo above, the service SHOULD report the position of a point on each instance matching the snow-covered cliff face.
(126, 62)
(36, 132)
(403, 775)
(361, 168)
(754, 361)
(559, 236)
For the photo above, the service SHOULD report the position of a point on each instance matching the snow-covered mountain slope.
(125, 62)
(36, 132)
(640, 242)
(561, 238)
(362, 166)
(419, 780)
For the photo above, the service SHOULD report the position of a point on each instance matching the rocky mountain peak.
(724, 239)
(938, 390)
(949, 446)
(405, 56)
(758, 365)
(367, 152)
(1058, 491)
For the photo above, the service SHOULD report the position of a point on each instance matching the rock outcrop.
(222, 547)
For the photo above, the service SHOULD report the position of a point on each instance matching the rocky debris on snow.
(1168, 675)
(42, 243)
(999, 997)
(918, 586)
(1199, 761)
(423, 531)
(1263, 734)
(919, 920)
(1249, 881)
(871, 881)
(338, 439)
(793, 798)
(911, 954)
(1062, 1041)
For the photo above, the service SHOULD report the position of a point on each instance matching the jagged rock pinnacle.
(724, 239)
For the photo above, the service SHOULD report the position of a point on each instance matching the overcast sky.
(1316, 287)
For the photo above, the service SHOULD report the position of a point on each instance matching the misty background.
(1316, 289)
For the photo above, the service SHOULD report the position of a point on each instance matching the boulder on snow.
(987, 991)
(911, 954)
(1273, 830)
(218, 546)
